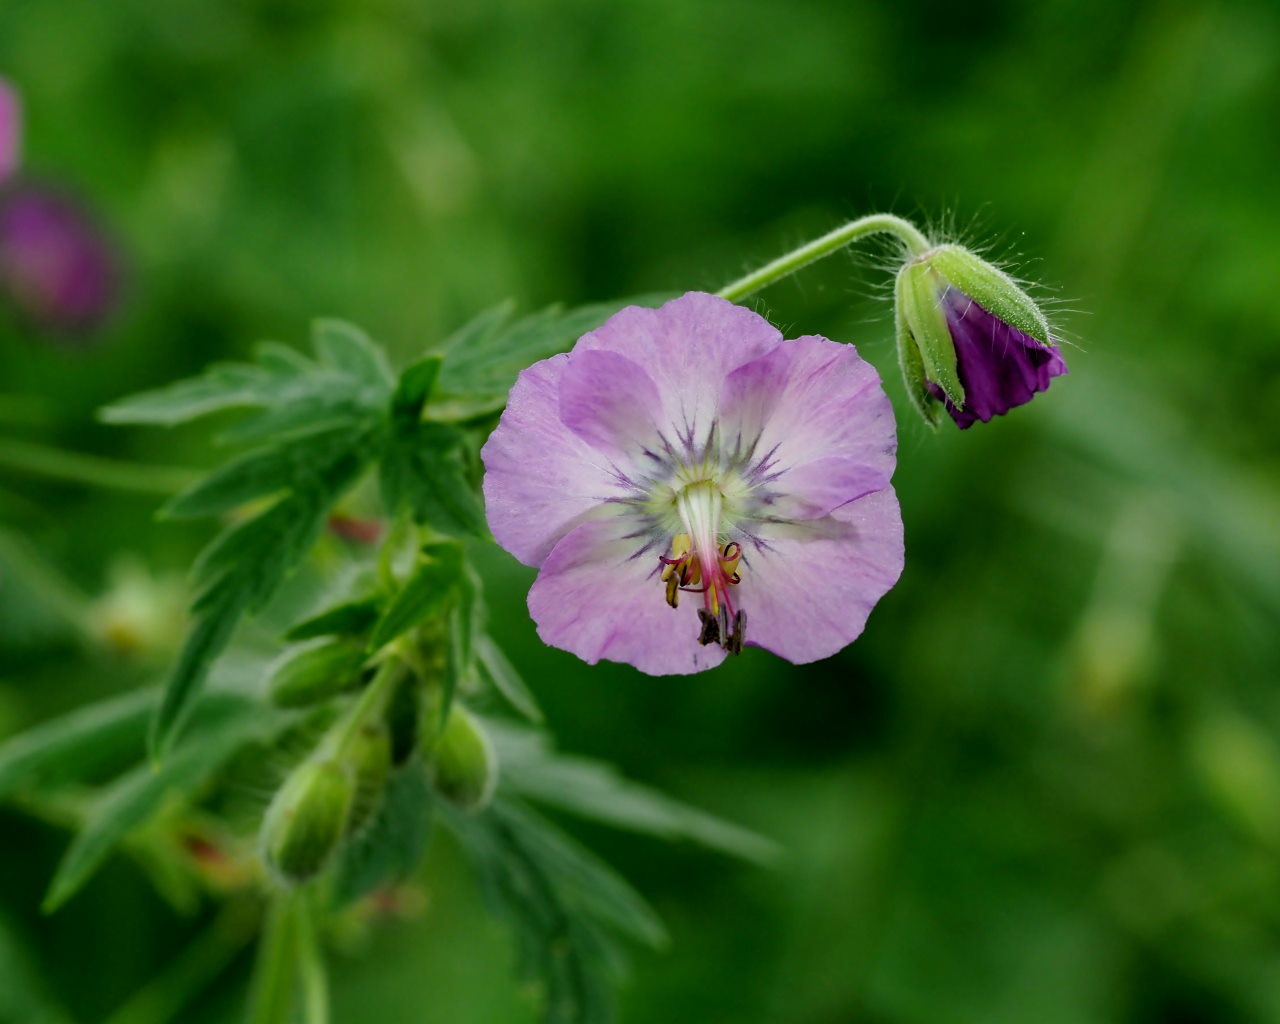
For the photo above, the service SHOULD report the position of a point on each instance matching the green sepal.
(918, 291)
(912, 366)
(991, 288)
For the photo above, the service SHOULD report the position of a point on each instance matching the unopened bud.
(310, 674)
(969, 337)
(307, 819)
(464, 766)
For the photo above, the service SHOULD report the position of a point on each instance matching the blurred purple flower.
(57, 266)
(690, 452)
(999, 366)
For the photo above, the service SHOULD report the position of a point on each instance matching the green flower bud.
(307, 819)
(310, 674)
(464, 766)
(370, 760)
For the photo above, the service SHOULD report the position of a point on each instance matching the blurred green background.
(1045, 784)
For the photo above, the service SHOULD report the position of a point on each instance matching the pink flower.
(686, 481)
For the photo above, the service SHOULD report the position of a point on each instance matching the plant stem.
(876, 223)
(372, 699)
(93, 470)
(274, 974)
(315, 981)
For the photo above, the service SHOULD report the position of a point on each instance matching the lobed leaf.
(130, 801)
(76, 745)
(594, 790)
(428, 591)
(568, 908)
(346, 348)
(425, 470)
(240, 570)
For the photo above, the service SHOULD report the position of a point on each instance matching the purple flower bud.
(970, 338)
(57, 266)
(999, 366)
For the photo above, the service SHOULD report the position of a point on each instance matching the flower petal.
(687, 346)
(807, 588)
(811, 401)
(609, 401)
(541, 479)
(999, 366)
(599, 596)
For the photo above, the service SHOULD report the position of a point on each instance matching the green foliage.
(77, 745)
(228, 724)
(427, 592)
(485, 355)
(595, 790)
(391, 848)
(351, 619)
(568, 909)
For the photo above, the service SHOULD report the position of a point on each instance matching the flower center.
(701, 564)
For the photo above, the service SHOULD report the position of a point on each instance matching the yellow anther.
(730, 556)
(681, 544)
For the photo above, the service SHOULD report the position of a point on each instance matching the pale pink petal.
(687, 347)
(609, 401)
(806, 400)
(807, 588)
(541, 479)
(599, 596)
(813, 489)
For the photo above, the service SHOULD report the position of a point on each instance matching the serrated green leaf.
(428, 591)
(391, 848)
(222, 386)
(594, 790)
(294, 393)
(345, 347)
(488, 354)
(567, 907)
(413, 390)
(425, 471)
(261, 473)
(240, 570)
(505, 679)
(351, 618)
(130, 801)
(76, 745)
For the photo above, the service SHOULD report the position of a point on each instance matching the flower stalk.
(784, 266)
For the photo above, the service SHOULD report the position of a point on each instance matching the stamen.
(710, 628)
(700, 564)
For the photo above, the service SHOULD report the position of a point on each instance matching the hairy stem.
(873, 224)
